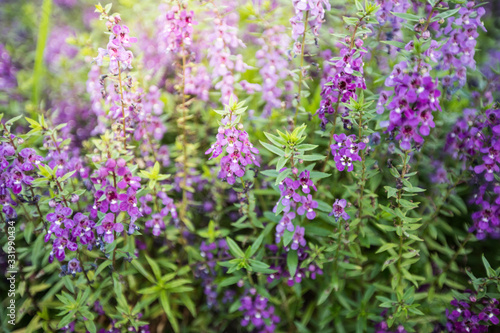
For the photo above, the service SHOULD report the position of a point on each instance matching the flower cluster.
(338, 210)
(475, 138)
(463, 141)
(258, 313)
(295, 195)
(472, 315)
(345, 77)
(460, 48)
(280, 266)
(16, 172)
(490, 150)
(415, 97)
(272, 59)
(178, 30)
(345, 151)
(197, 81)
(387, 7)
(311, 10)
(157, 221)
(221, 59)
(8, 79)
(110, 179)
(206, 270)
(119, 40)
(240, 151)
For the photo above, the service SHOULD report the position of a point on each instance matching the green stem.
(400, 193)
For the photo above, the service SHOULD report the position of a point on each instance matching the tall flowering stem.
(301, 70)
(178, 36)
(119, 58)
(307, 14)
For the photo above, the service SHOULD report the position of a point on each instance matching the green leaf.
(275, 139)
(154, 267)
(168, 311)
(90, 325)
(292, 261)
(188, 303)
(350, 20)
(256, 245)
(273, 149)
(408, 17)
(66, 320)
(287, 237)
(234, 248)
(386, 247)
(306, 147)
(229, 281)
(102, 266)
(311, 157)
(141, 270)
(319, 175)
(260, 267)
(489, 270)
(68, 284)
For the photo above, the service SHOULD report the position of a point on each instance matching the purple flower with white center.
(472, 315)
(338, 210)
(128, 180)
(62, 242)
(59, 218)
(112, 198)
(308, 206)
(256, 312)
(129, 202)
(240, 151)
(298, 238)
(342, 83)
(286, 223)
(416, 96)
(170, 207)
(489, 167)
(345, 151)
(84, 228)
(288, 193)
(156, 224)
(109, 227)
(74, 266)
(28, 158)
(99, 205)
(304, 181)
(17, 179)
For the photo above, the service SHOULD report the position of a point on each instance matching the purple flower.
(108, 227)
(62, 242)
(28, 158)
(156, 223)
(338, 210)
(308, 206)
(256, 312)
(74, 266)
(83, 228)
(129, 202)
(298, 238)
(304, 181)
